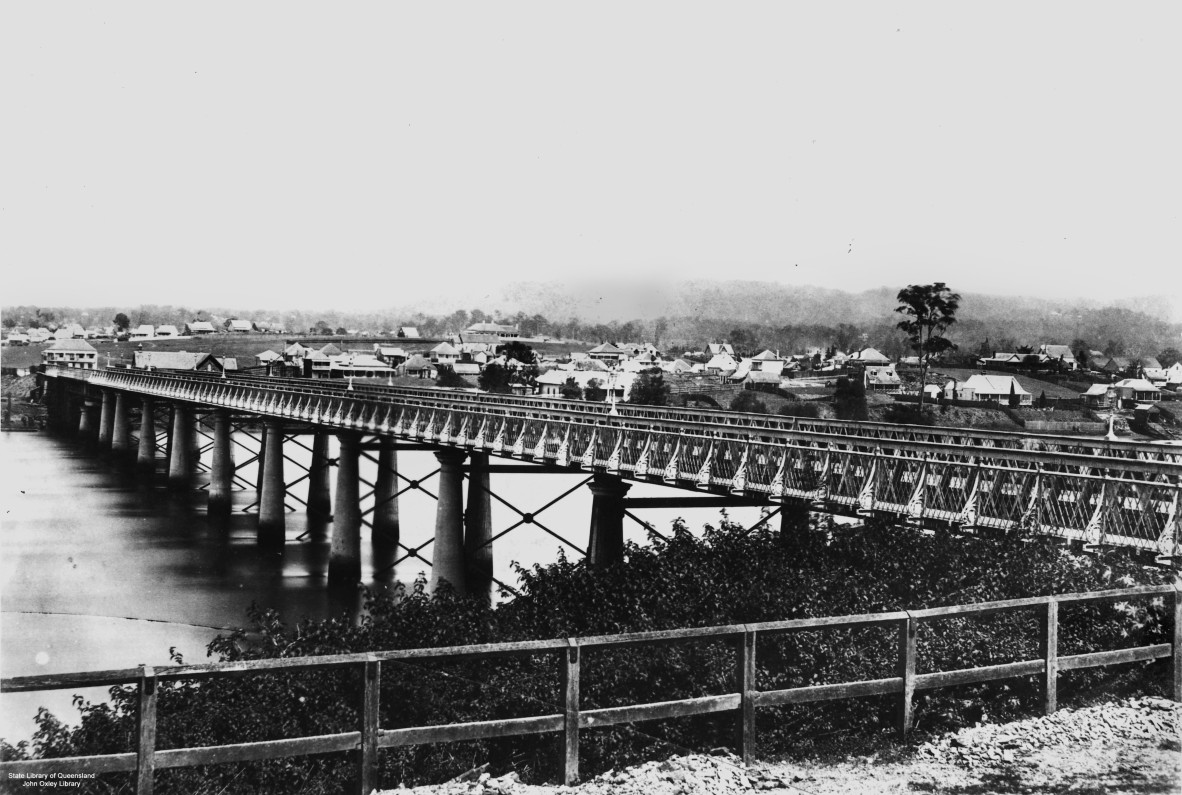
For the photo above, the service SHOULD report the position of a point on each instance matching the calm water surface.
(100, 568)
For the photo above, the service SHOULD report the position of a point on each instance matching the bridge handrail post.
(145, 767)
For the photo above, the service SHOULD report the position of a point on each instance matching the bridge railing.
(713, 419)
(568, 716)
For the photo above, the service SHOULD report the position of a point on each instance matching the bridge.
(1093, 492)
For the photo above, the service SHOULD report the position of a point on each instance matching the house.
(196, 328)
(294, 352)
(409, 332)
(238, 326)
(358, 365)
(995, 389)
(17, 338)
(882, 379)
(167, 331)
(1117, 365)
(445, 353)
(680, 367)
(1061, 355)
(1174, 374)
(182, 360)
(551, 382)
(494, 329)
(607, 353)
(317, 364)
(418, 366)
(267, 357)
(868, 356)
(73, 353)
(721, 364)
(143, 332)
(331, 350)
(470, 369)
(1099, 396)
(715, 348)
(1137, 390)
(390, 354)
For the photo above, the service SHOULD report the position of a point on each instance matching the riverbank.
(1128, 746)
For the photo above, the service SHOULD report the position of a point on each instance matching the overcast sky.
(353, 156)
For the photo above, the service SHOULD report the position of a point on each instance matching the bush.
(748, 402)
(724, 576)
(799, 410)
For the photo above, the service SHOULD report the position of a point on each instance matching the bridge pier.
(180, 460)
(478, 550)
(447, 560)
(88, 422)
(344, 557)
(106, 420)
(145, 457)
(222, 471)
(386, 529)
(606, 544)
(120, 426)
(794, 523)
(319, 499)
(272, 511)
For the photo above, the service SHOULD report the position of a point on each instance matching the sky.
(364, 155)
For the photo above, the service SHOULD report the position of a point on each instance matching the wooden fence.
(571, 719)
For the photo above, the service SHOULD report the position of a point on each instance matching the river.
(101, 568)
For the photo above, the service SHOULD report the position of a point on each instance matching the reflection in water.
(89, 550)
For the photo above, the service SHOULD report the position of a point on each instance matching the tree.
(571, 389)
(931, 310)
(649, 389)
(849, 399)
(1169, 357)
(122, 322)
(594, 392)
(748, 401)
(494, 378)
(447, 376)
(514, 349)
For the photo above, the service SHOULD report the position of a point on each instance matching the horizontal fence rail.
(1094, 492)
(569, 717)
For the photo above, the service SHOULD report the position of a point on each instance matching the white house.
(239, 326)
(868, 356)
(72, 353)
(882, 379)
(445, 353)
(143, 332)
(994, 389)
(197, 327)
(167, 331)
(1137, 389)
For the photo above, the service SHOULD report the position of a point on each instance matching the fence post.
(570, 713)
(746, 682)
(145, 759)
(1048, 643)
(1177, 641)
(906, 666)
(367, 760)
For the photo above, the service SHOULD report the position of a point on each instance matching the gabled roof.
(994, 385)
(605, 347)
(330, 350)
(869, 355)
(466, 368)
(76, 345)
(417, 362)
(268, 356)
(408, 331)
(715, 348)
(244, 325)
(295, 349)
(722, 361)
(1136, 384)
(168, 360)
(145, 329)
(767, 356)
(1058, 351)
(162, 331)
(1097, 389)
(1149, 363)
(446, 349)
(200, 325)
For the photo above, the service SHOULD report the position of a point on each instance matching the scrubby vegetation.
(724, 576)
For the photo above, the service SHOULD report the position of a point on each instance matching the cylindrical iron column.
(106, 420)
(386, 529)
(478, 549)
(272, 513)
(87, 424)
(222, 471)
(606, 544)
(145, 457)
(180, 463)
(261, 463)
(794, 523)
(120, 427)
(447, 560)
(344, 557)
(319, 499)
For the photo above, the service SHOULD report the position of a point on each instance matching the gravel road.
(1130, 746)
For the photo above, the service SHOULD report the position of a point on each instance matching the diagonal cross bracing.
(911, 472)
